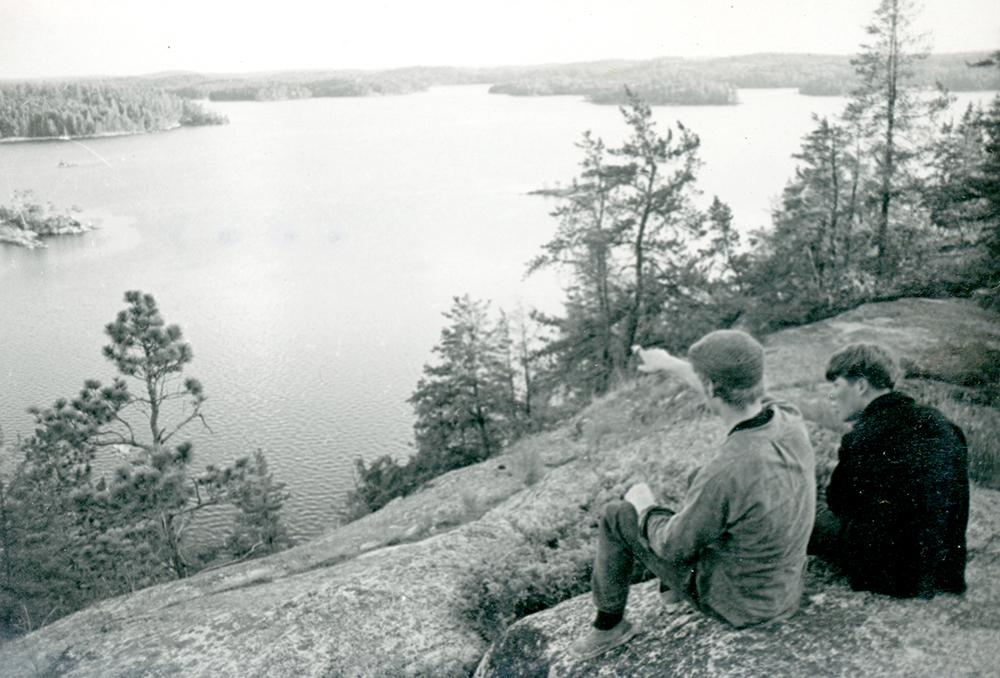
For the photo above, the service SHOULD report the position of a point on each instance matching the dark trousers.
(619, 546)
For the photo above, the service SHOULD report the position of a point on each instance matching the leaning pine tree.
(626, 224)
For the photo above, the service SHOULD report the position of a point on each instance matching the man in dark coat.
(898, 500)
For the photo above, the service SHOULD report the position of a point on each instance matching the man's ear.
(862, 386)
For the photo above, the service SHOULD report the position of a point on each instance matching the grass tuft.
(527, 463)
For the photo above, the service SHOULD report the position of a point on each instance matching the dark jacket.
(901, 491)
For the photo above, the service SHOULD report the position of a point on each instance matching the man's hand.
(640, 496)
(656, 360)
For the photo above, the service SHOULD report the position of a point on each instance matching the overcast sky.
(118, 37)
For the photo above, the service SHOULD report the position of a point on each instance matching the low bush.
(547, 569)
(989, 297)
(376, 484)
(539, 574)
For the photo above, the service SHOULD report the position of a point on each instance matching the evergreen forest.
(87, 108)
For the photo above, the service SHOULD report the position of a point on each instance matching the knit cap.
(730, 359)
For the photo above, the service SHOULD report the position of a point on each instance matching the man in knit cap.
(735, 548)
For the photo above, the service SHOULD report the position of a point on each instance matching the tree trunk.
(173, 545)
(639, 251)
(888, 156)
(481, 421)
(853, 204)
(603, 297)
(6, 542)
(835, 207)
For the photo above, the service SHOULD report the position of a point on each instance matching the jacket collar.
(890, 400)
(758, 420)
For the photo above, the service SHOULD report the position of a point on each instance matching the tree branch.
(194, 415)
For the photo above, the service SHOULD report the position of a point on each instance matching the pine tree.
(721, 258)
(815, 226)
(257, 527)
(588, 235)
(985, 184)
(468, 405)
(625, 226)
(886, 108)
(463, 402)
(962, 192)
(129, 530)
(956, 160)
(656, 214)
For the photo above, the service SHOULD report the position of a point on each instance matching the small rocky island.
(27, 223)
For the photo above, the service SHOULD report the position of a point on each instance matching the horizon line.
(332, 69)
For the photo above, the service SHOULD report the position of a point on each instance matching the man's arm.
(842, 488)
(680, 539)
(659, 360)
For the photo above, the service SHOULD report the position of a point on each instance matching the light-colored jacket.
(738, 543)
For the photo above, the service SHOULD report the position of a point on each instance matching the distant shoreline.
(492, 90)
(102, 135)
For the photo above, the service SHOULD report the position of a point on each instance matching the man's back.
(901, 490)
(746, 520)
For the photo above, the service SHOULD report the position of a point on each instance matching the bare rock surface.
(381, 596)
(838, 632)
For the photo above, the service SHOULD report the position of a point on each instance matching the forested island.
(26, 222)
(666, 80)
(84, 108)
(80, 108)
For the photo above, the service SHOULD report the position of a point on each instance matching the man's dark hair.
(871, 361)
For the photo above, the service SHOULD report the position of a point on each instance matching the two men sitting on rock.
(736, 548)
(897, 504)
(894, 516)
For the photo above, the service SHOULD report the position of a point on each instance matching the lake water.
(308, 249)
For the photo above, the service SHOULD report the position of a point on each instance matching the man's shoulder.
(935, 423)
(884, 416)
(905, 411)
(786, 424)
(932, 413)
(749, 447)
(901, 423)
(782, 407)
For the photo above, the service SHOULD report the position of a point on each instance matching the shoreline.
(102, 135)
(28, 239)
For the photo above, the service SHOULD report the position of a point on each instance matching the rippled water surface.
(308, 248)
